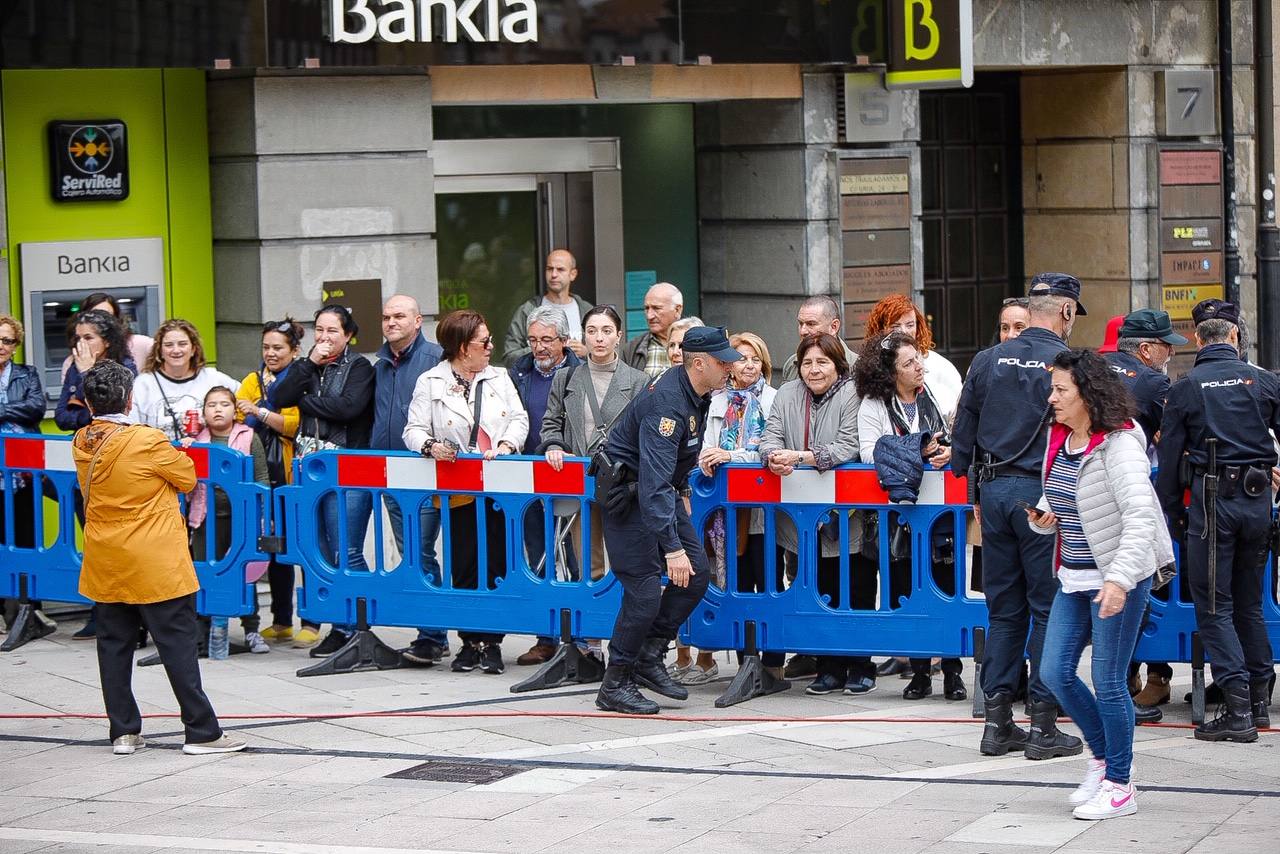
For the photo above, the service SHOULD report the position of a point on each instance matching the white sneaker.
(125, 745)
(225, 744)
(1112, 801)
(1092, 780)
(256, 643)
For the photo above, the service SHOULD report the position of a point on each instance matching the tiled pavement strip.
(585, 784)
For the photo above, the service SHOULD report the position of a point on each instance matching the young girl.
(220, 428)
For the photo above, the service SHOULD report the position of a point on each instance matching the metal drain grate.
(475, 773)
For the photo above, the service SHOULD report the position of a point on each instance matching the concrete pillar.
(317, 176)
(768, 209)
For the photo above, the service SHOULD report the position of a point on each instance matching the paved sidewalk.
(578, 782)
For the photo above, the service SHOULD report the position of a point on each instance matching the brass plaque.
(859, 211)
(1190, 235)
(862, 284)
(876, 248)
(855, 320)
(1190, 268)
(1191, 167)
(1178, 300)
(1191, 201)
(874, 176)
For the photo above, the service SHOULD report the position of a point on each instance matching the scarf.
(743, 418)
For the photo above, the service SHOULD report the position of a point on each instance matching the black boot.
(1001, 734)
(1259, 699)
(618, 694)
(650, 671)
(1234, 721)
(1045, 740)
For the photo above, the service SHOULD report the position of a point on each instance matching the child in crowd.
(221, 428)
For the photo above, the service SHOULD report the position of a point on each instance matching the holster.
(1256, 481)
(606, 472)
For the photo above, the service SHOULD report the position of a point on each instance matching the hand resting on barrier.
(555, 458)
(712, 457)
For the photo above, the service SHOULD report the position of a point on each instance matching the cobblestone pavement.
(578, 781)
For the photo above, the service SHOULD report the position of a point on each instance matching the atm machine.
(56, 277)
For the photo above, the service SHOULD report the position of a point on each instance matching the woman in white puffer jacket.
(1111, 537)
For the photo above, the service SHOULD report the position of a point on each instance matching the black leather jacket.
(26, 405)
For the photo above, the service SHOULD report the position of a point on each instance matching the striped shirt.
(1077, 570)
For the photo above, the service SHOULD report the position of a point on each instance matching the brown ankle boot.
(1154, 693)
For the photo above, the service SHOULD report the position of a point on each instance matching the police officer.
(1225, 406)
(649, 455)
(1145, 344)
(999, 443)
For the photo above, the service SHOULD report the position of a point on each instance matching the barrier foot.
(569, 665)
(363, 651)
(28, 624)
(1197, 679)
(979, 650)
(753, 680)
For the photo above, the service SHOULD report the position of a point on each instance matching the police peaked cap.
(1216, 309)
(1057, 285)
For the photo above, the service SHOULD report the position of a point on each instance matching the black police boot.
(1001, 734)
(1234, 721)
(650, 671)
(1259, 699)
(1045, 740)
(1147, 714)
(618, 694)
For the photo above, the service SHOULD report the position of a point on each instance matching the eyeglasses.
(485, 342)
(9, 342)
(546, 340)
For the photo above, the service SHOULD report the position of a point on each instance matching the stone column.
(317, 176)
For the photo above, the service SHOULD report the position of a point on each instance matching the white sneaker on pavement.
(1092, 780)
(1112, 801)
(225, 744)
(126, 744)
(257, 643)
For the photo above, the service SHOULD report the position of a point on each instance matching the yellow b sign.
(930, 43)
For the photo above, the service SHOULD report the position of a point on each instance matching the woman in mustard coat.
(136, 565)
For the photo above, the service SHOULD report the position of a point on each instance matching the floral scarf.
(743, 419)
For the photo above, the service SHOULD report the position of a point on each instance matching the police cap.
(1057, 285)
(1149, 323)
(711, 340)
(1215, 309)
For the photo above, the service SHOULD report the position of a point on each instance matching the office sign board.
(930, 44)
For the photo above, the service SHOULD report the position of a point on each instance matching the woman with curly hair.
(897, 313)
(1111, 537)
(169, 394)
(897, 402)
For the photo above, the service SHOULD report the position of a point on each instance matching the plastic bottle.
(219, 643)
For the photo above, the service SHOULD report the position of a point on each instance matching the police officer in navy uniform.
(999, 443)
(1144, 346)
(1227, 399)
(651, 450)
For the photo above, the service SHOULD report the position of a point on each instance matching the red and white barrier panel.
(841, 486)
(520, 477)
(32, 452)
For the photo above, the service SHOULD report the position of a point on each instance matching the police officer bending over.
(999, 444)
(647, 531)
(1219, 414)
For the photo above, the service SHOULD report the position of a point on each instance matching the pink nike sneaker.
(1112, 801)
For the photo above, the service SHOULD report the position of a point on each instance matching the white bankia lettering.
(398, 21)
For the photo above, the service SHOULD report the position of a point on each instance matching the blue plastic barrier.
(50, 569)
(402, 593)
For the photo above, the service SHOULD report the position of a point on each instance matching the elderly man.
(663, 305)
(547, 339)
(405, 356)
(817, 315)
(560, 273)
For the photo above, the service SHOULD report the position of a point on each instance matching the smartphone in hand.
(1033, 510)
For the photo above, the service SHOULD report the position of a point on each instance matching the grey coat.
(564, 425)
(833, 437)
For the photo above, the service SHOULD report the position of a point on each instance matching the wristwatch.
(263, 412)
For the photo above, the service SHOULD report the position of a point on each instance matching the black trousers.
(173, 629)
(751, 579)
(1235, 635)
(864, 576)
(900, 587)
(464, 554)
(649, 611)
(24, 530)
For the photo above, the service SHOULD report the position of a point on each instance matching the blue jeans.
(429, 523)
(1017, 576)
(359, 505)
(1106, 721)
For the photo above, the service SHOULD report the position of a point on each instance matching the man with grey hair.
(1221, 414)
(547, 335)
(817, 315)
(1143, 350)
(663, 305)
